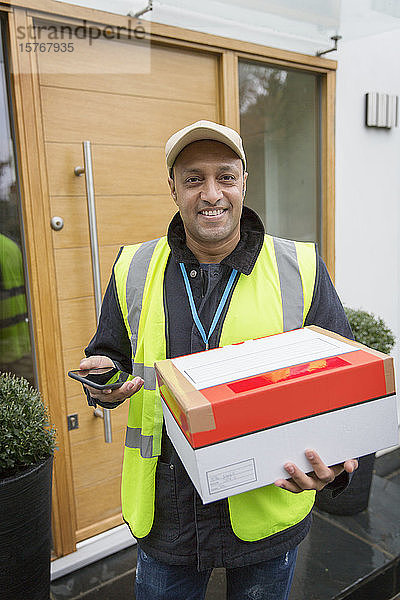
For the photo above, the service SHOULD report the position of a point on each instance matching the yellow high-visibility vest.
(14, 329)
(275, 297)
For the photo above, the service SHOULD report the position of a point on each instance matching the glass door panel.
(279, 121)
(15, 340)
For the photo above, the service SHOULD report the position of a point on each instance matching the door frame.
(33, 182)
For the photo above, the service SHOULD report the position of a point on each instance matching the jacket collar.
(242, 258)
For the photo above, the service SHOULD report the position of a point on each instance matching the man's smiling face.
(208, 188)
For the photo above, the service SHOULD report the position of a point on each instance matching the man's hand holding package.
(125, 391)
(321, 475)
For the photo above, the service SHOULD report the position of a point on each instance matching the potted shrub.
(27, 443)
(373, 332)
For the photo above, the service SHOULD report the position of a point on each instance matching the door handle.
(94, 248)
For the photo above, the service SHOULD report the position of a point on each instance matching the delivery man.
(216, 278)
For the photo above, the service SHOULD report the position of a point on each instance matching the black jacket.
(185, 531)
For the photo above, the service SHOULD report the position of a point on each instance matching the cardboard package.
(237, 414)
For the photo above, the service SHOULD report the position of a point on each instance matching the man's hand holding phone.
(126, 390)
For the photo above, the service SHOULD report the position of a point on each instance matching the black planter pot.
(355, 498)
(25, 533)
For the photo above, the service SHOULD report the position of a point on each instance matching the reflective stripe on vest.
(148, 374)
(135, 439)
(135, 287)
(291, 284)
(275, 296)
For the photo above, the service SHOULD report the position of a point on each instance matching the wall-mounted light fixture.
(382, 110)
(139, 13)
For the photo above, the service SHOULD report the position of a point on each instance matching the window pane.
(279, 126)
(15, 342)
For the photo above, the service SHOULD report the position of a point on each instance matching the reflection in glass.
(15, 342)
(279, 125)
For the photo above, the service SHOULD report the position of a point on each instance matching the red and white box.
(237, 414)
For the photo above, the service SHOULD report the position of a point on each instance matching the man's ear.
(171, 184)
(245, 175)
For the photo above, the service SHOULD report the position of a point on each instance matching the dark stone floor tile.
(330, 560)
(216, 589)
(381, 589)
(380, 523)
(387, 463)
(395, 478)
(76, 583)
(120, 589)
(379, 585)
(397, 575)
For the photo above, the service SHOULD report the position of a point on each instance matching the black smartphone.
(98, 378)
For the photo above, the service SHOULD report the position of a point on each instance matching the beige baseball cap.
(203, 130)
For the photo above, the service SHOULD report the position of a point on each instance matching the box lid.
(238, 389)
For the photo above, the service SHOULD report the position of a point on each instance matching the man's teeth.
(212, 213)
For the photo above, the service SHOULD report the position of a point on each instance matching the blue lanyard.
(218, 312)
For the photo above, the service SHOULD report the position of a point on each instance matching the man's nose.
(211, 191)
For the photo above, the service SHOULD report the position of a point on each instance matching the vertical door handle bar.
(94, 247)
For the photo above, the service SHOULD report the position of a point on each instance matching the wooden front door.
(127, 115)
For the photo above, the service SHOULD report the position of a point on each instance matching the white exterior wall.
(368, 182)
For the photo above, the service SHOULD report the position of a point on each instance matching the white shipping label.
(221, 365)
(231, 476)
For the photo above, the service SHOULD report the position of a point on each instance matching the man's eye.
(228, 177)
(192, 179)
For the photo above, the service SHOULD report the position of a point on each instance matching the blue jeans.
(268, 580)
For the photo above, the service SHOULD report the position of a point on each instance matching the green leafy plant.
(26, 436)
(370, 330)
